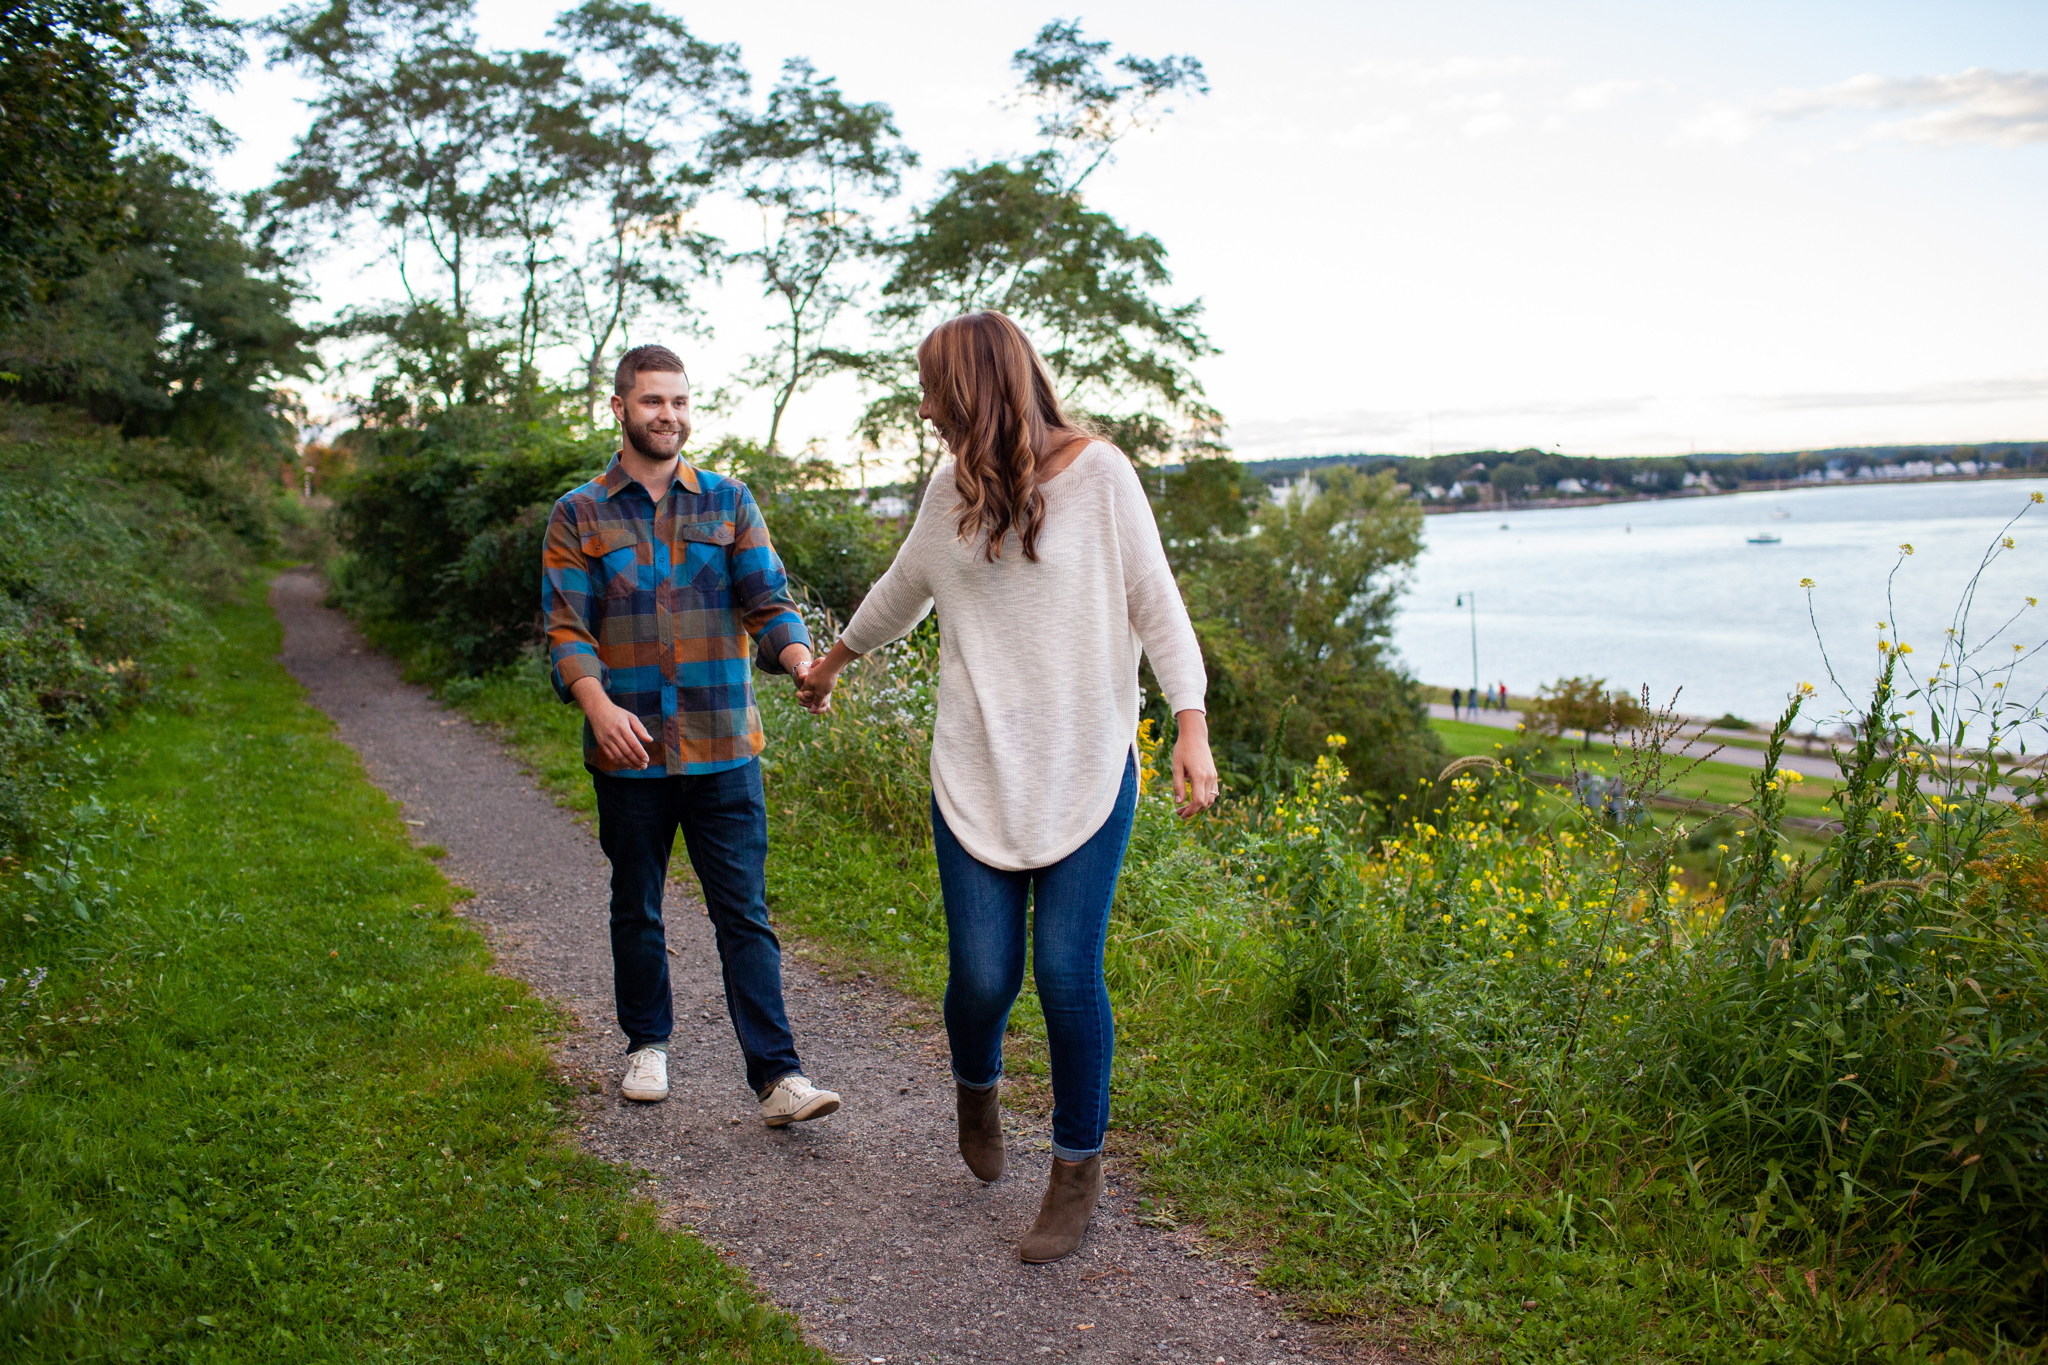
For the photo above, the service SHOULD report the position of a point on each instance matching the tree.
(830, 543)
(812, 163)
(1585, 705)
(128, 291)
(415, 130)
(1295, 615)
(405, 131)
(82, 81)
(1017, 236)
(645, 79)
(550, 158)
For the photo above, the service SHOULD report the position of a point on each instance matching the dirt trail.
(865, 1225)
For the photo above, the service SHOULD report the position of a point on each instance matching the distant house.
(1434, 490)
(1570, 486)
(1947, 467)
(888, 506)
(1703, 479)
(1916, 469)
(1964, 467)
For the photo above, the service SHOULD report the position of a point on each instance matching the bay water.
(1673, 594)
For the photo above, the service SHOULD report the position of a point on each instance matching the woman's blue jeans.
(1070, 921)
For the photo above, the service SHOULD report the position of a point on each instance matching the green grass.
(1499, 1234)
(270, 1102)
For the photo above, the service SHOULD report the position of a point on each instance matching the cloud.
(1979, 105)
(1961, 393)
(1486, 125)
(1374, 133)
(1417, 72)
(1603, 95)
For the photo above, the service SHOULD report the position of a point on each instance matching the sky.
(1605, 228)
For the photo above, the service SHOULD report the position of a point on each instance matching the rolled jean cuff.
(963, 1082)
(1069, 1154)
(658, 1045)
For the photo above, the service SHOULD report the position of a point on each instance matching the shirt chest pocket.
(616, 554)
(703, 543)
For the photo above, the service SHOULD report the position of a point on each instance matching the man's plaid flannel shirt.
(657, 604)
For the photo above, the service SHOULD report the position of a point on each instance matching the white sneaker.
(792, 1099)
(646, 1078)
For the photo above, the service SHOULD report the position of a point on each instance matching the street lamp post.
(1470, 599)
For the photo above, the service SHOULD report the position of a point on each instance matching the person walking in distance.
(1037, 548)
(659, 585)
(1457, 702)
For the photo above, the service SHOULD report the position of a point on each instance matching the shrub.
(106, 548)
(443, 525)
(829, 542)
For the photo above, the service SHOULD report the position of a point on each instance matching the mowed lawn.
(1711, 784)
(265, 1100)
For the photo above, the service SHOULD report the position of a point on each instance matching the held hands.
(814, 685)
(1194, 770)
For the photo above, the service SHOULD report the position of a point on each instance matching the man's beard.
(648, 442)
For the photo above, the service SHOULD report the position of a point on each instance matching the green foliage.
(124, 289)
(1585, 705)
(268, 1100)
(1295, 613)
(175, 326)
(829, 542)
(107, 547)
(79, 80)
(1494, 1075)
(645, 81)
(1018, 237)
(444, 524)
(814, 164)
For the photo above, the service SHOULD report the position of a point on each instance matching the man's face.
(656, 414)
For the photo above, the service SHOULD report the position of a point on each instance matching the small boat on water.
(1781, 515)
(1766, 538)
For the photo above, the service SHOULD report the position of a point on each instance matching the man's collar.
(615, 476)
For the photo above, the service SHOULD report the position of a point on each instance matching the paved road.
(1816, 764)
(866, 1225)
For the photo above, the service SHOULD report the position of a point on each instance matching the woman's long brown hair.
(993, 401)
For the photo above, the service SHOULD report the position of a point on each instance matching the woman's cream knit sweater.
(1038, 672)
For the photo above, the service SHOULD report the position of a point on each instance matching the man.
(659, 584)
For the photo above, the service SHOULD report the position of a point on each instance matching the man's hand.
(796, 661)
(1194, 770)
(621, 738)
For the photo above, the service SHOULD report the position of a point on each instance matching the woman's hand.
(814, 688)
(1194, 770)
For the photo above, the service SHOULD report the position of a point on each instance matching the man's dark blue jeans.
(725, 828)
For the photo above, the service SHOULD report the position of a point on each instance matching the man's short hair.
(644, 358)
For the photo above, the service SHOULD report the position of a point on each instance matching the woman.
(1037, 548)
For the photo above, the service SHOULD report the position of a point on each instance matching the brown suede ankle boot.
(981, 1129)
(1070, 1196)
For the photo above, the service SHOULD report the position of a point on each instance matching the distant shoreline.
(1775, 486)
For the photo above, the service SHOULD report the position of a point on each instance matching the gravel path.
(866, 1225)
